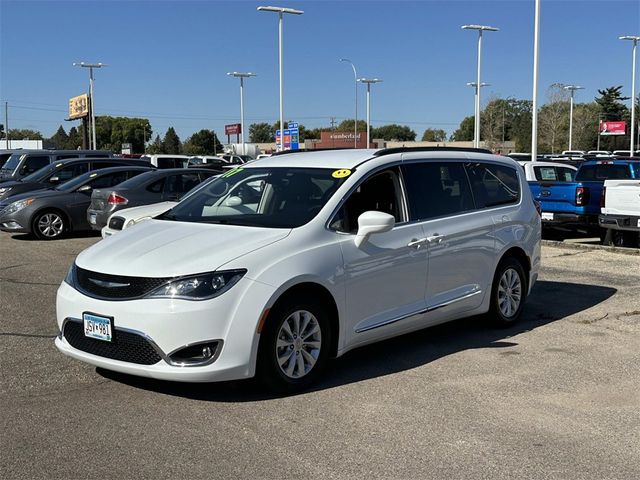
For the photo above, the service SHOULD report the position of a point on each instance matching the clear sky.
(168, 59)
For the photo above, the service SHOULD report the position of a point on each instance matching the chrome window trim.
(153, 344)
(430, 308)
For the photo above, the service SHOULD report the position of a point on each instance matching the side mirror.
(84, 188)
(54, 179)
(233, 202)
(373, 222)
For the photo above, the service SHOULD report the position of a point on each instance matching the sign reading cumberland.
(79, 106)
(613, 128)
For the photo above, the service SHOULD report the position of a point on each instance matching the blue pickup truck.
(576, 205)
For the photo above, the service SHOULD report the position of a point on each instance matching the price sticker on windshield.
(345, 172)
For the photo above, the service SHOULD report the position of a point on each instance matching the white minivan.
(274, 267)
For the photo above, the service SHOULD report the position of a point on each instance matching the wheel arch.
(57, 210)
(519, 254)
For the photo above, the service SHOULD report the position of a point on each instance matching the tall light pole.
(475, 102)
(572, 89)
(242, 76)
(91, 66)
(369, 81)
(534, 105)
(355, 81)
(634, 39)
(281, 11)
(480, 29)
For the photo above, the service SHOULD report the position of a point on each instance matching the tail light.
(603, 198)
(115, 199)
(582, 196)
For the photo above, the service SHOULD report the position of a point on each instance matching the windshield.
(259, 197)
(12, 162)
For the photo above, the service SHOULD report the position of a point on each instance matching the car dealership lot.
(554, 397)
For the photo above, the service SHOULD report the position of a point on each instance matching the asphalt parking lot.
(557, 396)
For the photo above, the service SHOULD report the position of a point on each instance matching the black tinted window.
(380, 192)
(170, 162)
(31, 164)
(156, 187)
(99, 165)
(71, 171)
(603, 171)
(65, 155)
(493, 185)
(437, 189)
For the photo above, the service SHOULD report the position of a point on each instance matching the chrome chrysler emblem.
(104, 284)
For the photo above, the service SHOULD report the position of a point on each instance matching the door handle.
(435, 238)
(416, 242)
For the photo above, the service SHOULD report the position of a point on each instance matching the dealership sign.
(233, 129)
(291, 139)
(79, 107)
(613, 128)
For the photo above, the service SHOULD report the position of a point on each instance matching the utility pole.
(6, 124)
(333, 123)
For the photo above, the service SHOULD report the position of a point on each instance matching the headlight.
(130, 223)
(17, 206)
(199, 287)
(5, 190)
(70, 279)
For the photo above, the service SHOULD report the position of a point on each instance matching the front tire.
(294, 345)
(508, 293)
(49, 225)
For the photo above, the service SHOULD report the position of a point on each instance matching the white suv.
(275, 267)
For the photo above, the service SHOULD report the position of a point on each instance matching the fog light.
(194, 355)
(12, 225)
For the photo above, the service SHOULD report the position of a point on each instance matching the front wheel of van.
(508, 293)
(294, 345)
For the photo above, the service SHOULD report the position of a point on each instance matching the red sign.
(613, 128)
(233, 129)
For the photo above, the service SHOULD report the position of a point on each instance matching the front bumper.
(620, 222)
(174, 324)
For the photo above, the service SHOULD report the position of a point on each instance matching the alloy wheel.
(50, 225)
(509, 292)
(298, 344)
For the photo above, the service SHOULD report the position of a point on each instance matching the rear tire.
(294, 345)
(508, 293)
(49, 225)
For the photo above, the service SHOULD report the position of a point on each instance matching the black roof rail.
(390, 151)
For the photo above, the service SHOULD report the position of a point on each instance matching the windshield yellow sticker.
(93, 175)
(232, 172)
(345, 172)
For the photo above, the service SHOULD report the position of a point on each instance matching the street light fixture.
(242, 76)
(91, 66)
(480, 29)
(355, 81)
(281, 11)
(635, 40)
(572, 89)
(369, 81)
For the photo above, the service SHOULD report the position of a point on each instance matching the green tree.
(171, 142)
(400, 133)
(611, 103)
(156, 146)
(112, 132)
(434, 135)
(585, 126)
(59, 140)
(74, 139)
(204, 142)
(464, 132)
(24, 134)
(553, 120)
(261, 133)
(348, 126)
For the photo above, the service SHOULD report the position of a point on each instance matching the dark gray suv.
(25, 162)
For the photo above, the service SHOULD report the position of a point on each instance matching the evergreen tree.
(171, 142)
(59, 140)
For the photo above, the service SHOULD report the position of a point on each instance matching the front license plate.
(92, 218)
(547, 216)
(97, 327)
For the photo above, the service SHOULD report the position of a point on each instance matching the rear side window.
(603, 171)
(71, 171)
(156, 187)
(493, 185)
(33, 163)
(437, 189)
(170, 163)
(554, 174)
(65, 156)
(99, 165)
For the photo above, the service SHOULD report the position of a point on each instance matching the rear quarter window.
(603, 171)
(493, 184)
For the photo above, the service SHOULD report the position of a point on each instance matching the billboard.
(613, 128)
(233, 129)
(79, 106)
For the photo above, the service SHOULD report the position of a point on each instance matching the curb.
(580, 246)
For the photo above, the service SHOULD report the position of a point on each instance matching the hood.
(161, 248)
(32, 194)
